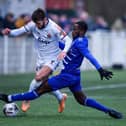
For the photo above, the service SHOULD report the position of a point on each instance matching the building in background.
(61, 7)
(20, 6)
(95, 7)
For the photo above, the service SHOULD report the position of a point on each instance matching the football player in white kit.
(47, 35)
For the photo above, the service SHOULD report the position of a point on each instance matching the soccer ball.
(10, 109)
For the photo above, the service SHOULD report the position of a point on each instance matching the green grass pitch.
(43, 111)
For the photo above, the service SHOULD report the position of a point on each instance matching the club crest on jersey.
(49, 35)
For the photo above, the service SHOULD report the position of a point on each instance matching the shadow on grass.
(57, 117)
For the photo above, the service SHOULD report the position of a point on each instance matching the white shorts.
(53, 64)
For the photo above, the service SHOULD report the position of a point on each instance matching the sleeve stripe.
(63, 37)
(26, 29)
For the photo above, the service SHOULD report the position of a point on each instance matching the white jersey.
(46, 40)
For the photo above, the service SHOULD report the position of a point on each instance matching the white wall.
(3, 7)
(25, 6)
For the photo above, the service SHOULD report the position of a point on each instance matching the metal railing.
(17, 54)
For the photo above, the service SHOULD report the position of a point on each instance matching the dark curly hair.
(82, 25)
(38, 15)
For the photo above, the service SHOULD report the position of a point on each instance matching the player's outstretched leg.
(19, 97)
(94, 104)
(83, 100)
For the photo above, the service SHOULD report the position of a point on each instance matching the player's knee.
(81, 100)
(39, 77)
(80, 97)
(44, 88)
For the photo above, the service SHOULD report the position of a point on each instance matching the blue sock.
(23, 96)
(94, 104)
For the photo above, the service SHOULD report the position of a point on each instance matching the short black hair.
(38, 15)
(82, 25)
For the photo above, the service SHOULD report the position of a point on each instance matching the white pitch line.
(102, 97)
(99, 87)
(106, 86)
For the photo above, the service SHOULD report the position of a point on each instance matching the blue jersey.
(76, 54)
(70, 75)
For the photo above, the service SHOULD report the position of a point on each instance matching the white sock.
(34, 84)
(9, 98)
(57, 94)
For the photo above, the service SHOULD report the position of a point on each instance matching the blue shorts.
(65, 80)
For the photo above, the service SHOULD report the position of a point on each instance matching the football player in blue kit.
(70, 75)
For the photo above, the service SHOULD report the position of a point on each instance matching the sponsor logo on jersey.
(43, 41)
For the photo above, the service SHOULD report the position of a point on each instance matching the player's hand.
(61, 56)
(105, 74)
(6, 31)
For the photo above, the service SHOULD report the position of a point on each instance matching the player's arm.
(65, 38)
(61, 45)
(67, 46)
(15, 32)
(83, 48)
(18, 31)
(67, 43)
